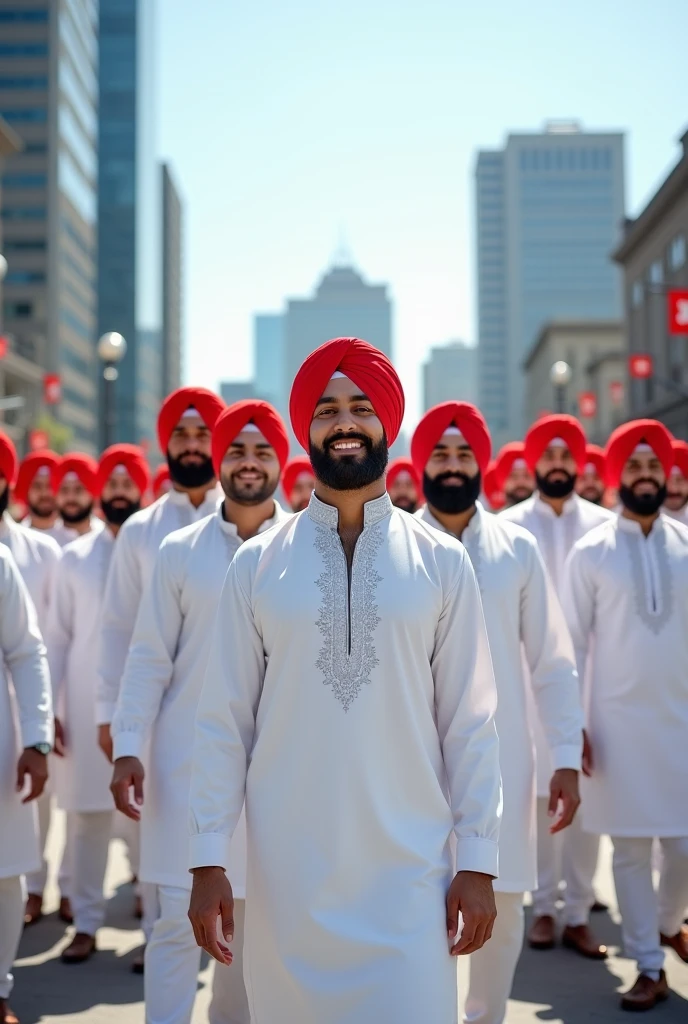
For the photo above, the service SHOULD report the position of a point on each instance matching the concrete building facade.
(268, 359)
(450, 374)
(172, 282)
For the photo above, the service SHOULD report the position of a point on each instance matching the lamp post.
(112, 349)
(560, 376)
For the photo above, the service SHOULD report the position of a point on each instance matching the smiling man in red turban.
(34, 488)
(676, 504)
(298, 482)
(349, 659)
(74, 482)
(513, 475)
(403, 484)
(590, 483)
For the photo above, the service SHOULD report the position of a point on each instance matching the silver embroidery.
(655, 620)
(344, 669)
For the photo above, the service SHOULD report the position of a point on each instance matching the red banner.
(52, 389)
(38, 439)
(587, 404)
(4, 346)
(677, 308)
(640, 366)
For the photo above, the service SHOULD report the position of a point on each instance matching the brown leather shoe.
(81, 948)
(138, 963)
(65, 911)
(542, 933)
(7, 1016)
(645, 994)
(582, 940)
(32, 912)
(678, 942)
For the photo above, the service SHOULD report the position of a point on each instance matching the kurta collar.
(7, 525)
(472, 529)
(570, 506)
(230, 528)
(327, 515)
(181, 498)
(634, 527)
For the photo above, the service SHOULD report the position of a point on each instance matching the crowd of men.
(342, 738)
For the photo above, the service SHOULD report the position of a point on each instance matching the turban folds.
(594, 456)
(491, 487)
(129, 456)
(504, 462)
(364, 365)
(8, 459)
(551, 428)
(293, 470)
(233, 420)
(207, 405)
(28, 469)
(84, 466)
(403, 465)
(625, 439)
(433, 425)
(681, 456)
(162, 474)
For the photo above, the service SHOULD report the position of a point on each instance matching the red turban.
(681, 456)
(207, 405)
(233, 420)
(403, 465)
(368, 368)
(625, 440)
(8, 459)
(84, 466)
(162, 474)
(492, 489)
(129, 456)
(550, 428)
(462, 415)
(504, 462)
(594, 455)
(29, 467)
(292, 471)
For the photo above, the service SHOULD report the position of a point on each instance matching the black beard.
(4, 501)
(596, 498)
(37, 513)
(452, 500)
(556, 488)
(349, 473)
(118, 514)
(256, 498)
(642, 504)
(191, 476)
(406, 505)
(73, 518)
(516, 497)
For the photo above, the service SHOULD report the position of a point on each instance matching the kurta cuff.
(570, 756)
(38, 732)
(476, 854)
(209, 850)
(105, 712)
(127, 744)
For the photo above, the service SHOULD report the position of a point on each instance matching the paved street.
(554, 987)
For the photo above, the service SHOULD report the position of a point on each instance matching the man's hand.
(563, 789)
(471, 894)
(35, 765)
(212, 897)
(105, 741)
(128, 772)
(60, 745)
(588, 761)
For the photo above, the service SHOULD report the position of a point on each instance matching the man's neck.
(42, 522)
(248, 519)
(350, 504)
(455, 522)
(197, 495)
(556, 504)
(82, 527)
(646, 522)
(113, 528)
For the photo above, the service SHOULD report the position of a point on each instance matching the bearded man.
(298, 482)
(403, 485)
(590, 483)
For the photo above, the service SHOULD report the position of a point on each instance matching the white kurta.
(681, 516)
(556, 536)
(62, 533)
(361, 732)
(524, 622)
(161, 686)
(26, 716)
(628, 594)
(82, 777)
(36, 556)
(131, 568)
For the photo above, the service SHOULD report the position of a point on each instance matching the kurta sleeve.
(60, 627)
(550, 658)
(225, 722)
(150, 662)
(120, 607)
(52, 556)
(578, 602)
(466, 701)
(24, 655)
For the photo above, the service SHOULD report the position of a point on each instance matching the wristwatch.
(42, 748)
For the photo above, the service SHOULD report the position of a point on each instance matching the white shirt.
(680, 516)
(26, 715)
(523, 617)
(37, 557)
(161, 686)
(138, 543)
(626, 600)
(62, 533)
(82, 776)
(358, 722)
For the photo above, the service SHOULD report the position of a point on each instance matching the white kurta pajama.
(62, 533)
(524, 622)
(626, 600)
(571, 855)
(26, 718)
(358, 723)
(160, 690)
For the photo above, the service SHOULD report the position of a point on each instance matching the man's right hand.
(128, 773)
(212, 897)
(105, 741)
(588, 760)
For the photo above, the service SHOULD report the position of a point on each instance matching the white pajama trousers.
(89, 844)
(646, 912)
(12, 899)
(570, 855)
(36, 881)
(492, 968)
(173, 961)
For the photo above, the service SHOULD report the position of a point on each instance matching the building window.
(18, 310)
(34, 82)
(655, 274)
(36, 115)
(37, 14)
(32, 148)
(677, 252)
(23, 49)
(24, 245)
(24, 181)
(25, 277)
(637, 293)
(23, 212)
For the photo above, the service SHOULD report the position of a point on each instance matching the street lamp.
(112, 349)
(560, 376)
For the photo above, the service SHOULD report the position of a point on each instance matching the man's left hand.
(35, 765)
(563, 789)
(470, 894)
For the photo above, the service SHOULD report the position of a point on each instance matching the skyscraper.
(172, 228)
(268, 349)
(450, 374)
(49, 96)
(130, 213)
(550, 209)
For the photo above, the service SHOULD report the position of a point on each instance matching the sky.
(290, 122)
